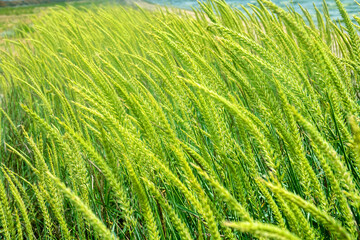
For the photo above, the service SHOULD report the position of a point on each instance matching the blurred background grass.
(15, 20)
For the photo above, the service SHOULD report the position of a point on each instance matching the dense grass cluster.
(223, 123)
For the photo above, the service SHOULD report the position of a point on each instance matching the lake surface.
(350, 5)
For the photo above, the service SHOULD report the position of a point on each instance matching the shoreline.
(153, 7)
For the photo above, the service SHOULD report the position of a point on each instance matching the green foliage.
(122, 123)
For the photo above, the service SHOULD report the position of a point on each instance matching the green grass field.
(124, 123)
(15, 19)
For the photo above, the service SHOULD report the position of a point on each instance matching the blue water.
(350, 5)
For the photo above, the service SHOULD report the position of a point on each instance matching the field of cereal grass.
(118, 122)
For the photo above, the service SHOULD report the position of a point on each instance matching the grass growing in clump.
(124, 123)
